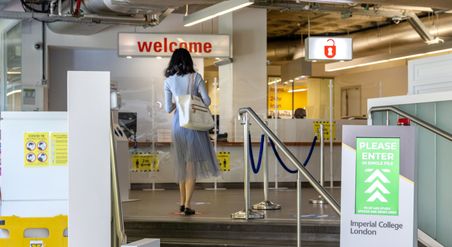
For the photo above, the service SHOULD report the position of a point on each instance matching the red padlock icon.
(330, 50)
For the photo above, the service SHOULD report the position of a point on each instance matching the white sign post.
(163, 45)
(329, 48)
(378, 186)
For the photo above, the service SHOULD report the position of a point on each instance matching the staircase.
(223, 232)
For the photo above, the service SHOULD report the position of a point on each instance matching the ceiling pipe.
(439, 4)
(420, 28)
(82, 19)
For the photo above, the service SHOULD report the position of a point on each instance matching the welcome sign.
(163, 45)
(378, 201)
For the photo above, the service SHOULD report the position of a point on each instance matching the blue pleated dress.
(194, 154)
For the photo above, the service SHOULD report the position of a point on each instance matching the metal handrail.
(334, 204)
(422, 123)
(119, 236)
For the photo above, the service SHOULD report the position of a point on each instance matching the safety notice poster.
(224, 161)
(36, 149)
(145, 162)
(42, 149)
(59, 150)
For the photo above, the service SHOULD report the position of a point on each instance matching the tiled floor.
(215, 205)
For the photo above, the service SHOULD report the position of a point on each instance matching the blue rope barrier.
(251, 156)
(311, 150)
(305, 163)
(281, 162)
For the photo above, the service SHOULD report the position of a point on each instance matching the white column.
(244, 83)
(89, 158)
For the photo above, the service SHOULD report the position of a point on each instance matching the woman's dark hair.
(180, 63)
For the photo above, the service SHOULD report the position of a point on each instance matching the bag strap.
(191, 84)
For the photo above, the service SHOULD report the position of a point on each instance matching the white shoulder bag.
(193, 113)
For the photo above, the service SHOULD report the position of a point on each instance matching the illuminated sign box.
(163, 45)
(378, 206)
(329, 48)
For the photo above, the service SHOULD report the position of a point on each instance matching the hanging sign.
(163, 45)
(378, 186)
(328, 48)
(224, 161)
(36, 149)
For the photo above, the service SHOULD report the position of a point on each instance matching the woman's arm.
(169, 105)
(202, 89)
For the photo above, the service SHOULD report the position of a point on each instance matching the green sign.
(377, 176)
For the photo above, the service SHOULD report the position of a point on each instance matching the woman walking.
(195, 157)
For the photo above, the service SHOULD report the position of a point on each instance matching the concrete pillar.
(244, 82)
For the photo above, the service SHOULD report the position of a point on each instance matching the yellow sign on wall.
(145, 162)
(36, 149)
(224, 159)
(58, 147)
(326, 129)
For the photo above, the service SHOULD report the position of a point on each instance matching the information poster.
(224, 161)
(326, 129)
(59, 149)
(36, 149)
(145, 162)
(378, 186)
(377, 176)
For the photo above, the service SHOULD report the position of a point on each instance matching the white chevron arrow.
(377, 195)
(377, 174)
(377, 186)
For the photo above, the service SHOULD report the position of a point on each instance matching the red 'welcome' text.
(165, 46)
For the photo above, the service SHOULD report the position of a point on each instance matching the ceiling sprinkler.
(397, 19)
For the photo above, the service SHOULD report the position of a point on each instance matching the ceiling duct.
(420, 28)
(295, 70)
(97, 15)
(438, 4)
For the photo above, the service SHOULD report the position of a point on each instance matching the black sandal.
(182, 208)
(189, 211)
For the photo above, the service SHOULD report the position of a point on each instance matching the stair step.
(241, 243)
(232, 232)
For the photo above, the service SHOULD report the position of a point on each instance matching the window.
(300, 98)
(12, 79)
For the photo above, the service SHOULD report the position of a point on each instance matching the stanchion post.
(320, 200)
(331, 134)
(298, 209)
(322, 157)
(275, 115)
(246, 171)
(266, 204)
(247, 213)
(265, 167)
(215, 131)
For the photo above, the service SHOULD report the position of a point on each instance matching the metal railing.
(118, 237)
(416, 120)
(245, 114)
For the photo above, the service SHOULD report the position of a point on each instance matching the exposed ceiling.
(291, 24)
(373, 24)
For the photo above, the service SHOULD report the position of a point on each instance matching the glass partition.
(12, 76)
(300, 98)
